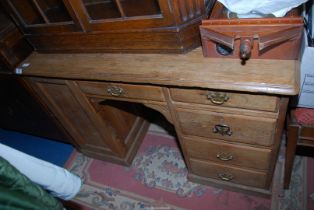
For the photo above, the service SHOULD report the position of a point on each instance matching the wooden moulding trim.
(243, 87)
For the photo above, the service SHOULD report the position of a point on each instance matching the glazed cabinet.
(110, 25)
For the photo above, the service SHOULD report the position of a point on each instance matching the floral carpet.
(157, 180)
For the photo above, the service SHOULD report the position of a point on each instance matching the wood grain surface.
(191, 70)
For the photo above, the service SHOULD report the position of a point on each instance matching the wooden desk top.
(190, 70)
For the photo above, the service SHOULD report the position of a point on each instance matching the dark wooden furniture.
(110, 25)
(99, 129)
(228, 117)
(299, 135)
(13, 47)
(19, 110)
(226, 36)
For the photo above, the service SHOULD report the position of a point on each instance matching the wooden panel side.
(64, 105)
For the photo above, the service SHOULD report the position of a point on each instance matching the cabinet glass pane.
(41, 11)
(28, 12)
(54, 10)
(101, 9)
(140, 7)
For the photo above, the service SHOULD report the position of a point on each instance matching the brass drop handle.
(222, 129)
(115, 91)
(225, 176)
(224, 156)
(217, 98)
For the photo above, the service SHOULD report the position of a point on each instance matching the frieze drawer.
(120, 90)
(229, 154)
(229, 127)
(229, 174)
(225, 99)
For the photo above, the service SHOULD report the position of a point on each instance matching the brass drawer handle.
(222, 129)
(224, 156)
(217, 98)
(115, 91)
(225, 176)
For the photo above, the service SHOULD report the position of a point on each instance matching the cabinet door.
(125, 14)
(20, 111)
(43, 16)
(100, 15)
(79, 118)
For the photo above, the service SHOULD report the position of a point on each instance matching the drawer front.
(229, 174)
(229, 154)
(225, 99)
(238, 128)
(307, 132)
(119, 90)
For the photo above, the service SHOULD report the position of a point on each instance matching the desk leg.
(292, 137)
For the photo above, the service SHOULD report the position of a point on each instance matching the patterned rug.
(157, 181)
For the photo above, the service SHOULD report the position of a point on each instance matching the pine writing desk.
(228, 117)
